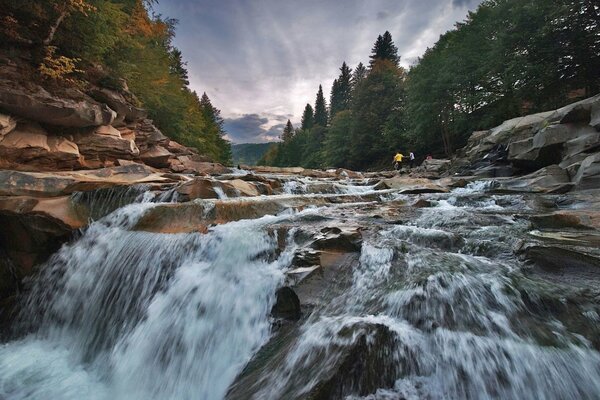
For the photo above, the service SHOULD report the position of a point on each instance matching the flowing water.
(434, 305)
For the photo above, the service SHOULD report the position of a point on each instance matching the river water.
(435, 305)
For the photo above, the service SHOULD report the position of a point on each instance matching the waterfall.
(137, 315)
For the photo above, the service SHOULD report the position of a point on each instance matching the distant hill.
(248, 153)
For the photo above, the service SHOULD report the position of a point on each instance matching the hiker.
(411, 159)
(398, 161)
(429, 157)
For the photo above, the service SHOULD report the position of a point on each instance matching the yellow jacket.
(398, 157)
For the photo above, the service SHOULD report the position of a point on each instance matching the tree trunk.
(54, 27)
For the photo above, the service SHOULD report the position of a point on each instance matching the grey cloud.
(248, 128)
(381, 15)
(462, 3)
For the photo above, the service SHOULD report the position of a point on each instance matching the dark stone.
(287, 305)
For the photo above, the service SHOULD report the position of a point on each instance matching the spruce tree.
(334, 99)
(320, 109)
(360, 73)
(288, 132)
(341, 91)
(384, 49)
(308, 118)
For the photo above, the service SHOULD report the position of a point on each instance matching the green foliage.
(105, 41)
(384, 49)
(341, 91)
(508, 58)
(288, 131)
(308, 118)
(320, 109)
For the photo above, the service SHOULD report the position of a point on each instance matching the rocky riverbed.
(477, 277)
(297, 284)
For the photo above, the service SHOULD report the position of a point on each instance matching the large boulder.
(126, 112)
(409, 185)
(105, 143)
(34, 228)
(71, 108)
(551, 179)
(156, 156)
(29, 147)
(148, 135)
(588, 174)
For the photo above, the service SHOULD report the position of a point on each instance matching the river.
(433, 302)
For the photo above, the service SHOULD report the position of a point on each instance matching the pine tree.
(341, 91)
(288, 132)
(308, 118)
(384, 49)
(320, 109)
(210, 112)
(360, 73)
(334, 99)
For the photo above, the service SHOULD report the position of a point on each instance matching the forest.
(118, 44)
(507, 58)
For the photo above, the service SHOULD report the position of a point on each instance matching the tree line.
(108, 43)
(507, 58)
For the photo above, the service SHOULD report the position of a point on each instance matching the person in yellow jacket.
(398, 160)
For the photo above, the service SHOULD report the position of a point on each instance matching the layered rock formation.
(566, 139)
(69, 129)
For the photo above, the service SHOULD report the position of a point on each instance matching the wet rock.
(297, 275)
(34, 228)
(346, 173)
(29, 147)
(287, 304)
(574, 219)
(105, 142)
(552, 179)
(333, 238)
(71, 108)
(562, 260)
(275, 170)
(408, 185)
(242, 188)
(49, 184)
(197, 188)
(422, 203)
(362, 367)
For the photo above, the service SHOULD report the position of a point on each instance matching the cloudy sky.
(261, 61)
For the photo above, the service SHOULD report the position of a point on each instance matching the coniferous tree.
(320, 109)
(341, 91)
(334, 98)
(384, 49)
(288, 132)
(360, 73)
(308, 118)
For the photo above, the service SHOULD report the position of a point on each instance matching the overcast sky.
(261, 61)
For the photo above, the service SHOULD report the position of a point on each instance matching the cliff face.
(56, 129)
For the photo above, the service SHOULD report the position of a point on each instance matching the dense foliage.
(508, 58)
(108, 42)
